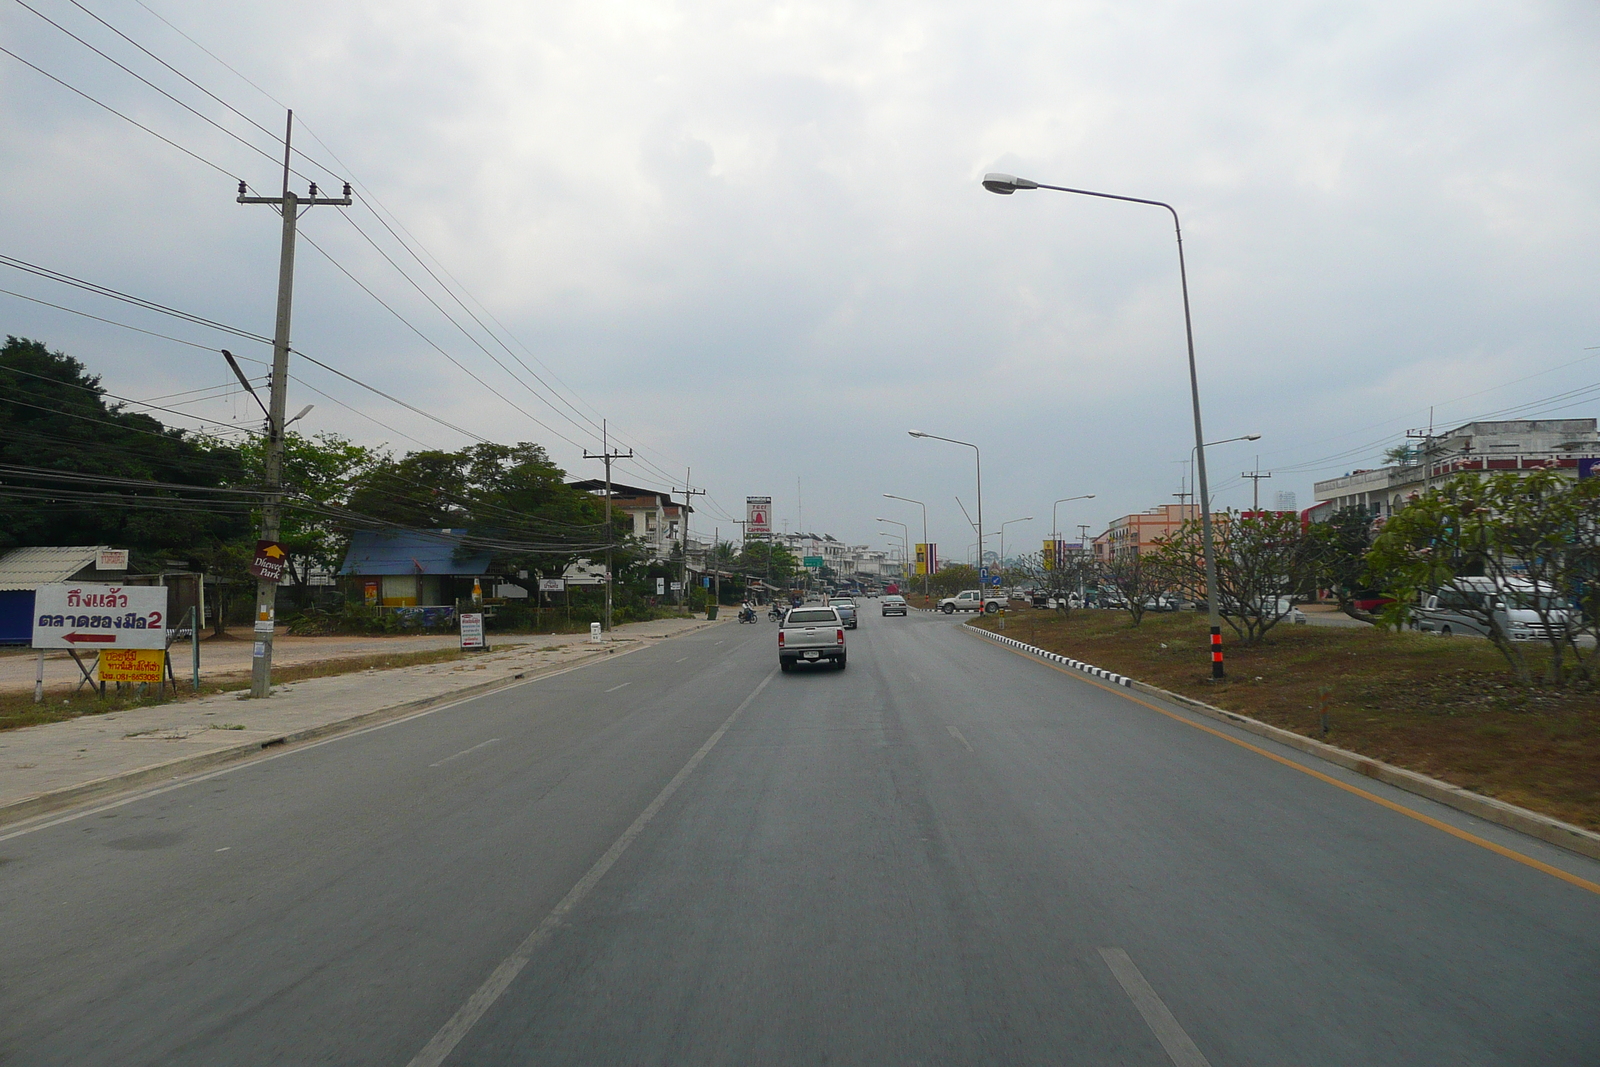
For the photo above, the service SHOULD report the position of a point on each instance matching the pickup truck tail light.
(780, 638)
(840, 640)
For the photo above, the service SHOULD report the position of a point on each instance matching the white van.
(1465, 606)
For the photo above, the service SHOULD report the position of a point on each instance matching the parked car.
(811, 635)
(972, 600)
(1467, 605)
(846, 608)
(893, 605)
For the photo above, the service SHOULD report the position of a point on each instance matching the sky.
(751, 238)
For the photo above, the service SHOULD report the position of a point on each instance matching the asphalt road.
(946, 854)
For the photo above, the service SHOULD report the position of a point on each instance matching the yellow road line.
(1500, 850)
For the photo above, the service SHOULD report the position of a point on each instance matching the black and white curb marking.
(1078, 665)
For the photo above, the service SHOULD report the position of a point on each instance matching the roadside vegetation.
(1443, 707)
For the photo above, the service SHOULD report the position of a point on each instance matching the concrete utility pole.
(608, 455)
(688, 499)
(1255, 476)
(289, 206)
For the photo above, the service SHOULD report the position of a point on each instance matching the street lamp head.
(916, 433)
(1006, 184)
(1252, 437)
(1088, 496)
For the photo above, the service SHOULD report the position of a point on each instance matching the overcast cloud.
(752, 236)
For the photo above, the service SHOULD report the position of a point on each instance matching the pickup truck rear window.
(810, 616)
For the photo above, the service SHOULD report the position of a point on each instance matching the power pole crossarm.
(290, 206)
(688, 506)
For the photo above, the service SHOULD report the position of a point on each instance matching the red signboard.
(269, 561)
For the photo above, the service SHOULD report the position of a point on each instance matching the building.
(1483, 447)
(658, 522)
(24, 570)
(426, 571)
(1135, 534)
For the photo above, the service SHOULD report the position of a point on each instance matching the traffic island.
(1440, 707)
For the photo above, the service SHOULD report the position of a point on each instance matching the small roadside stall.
(420, 574)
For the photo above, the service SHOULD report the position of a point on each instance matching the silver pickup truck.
(811, 634)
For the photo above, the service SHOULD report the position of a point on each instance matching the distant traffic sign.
(811, 561)
(269, 561)
(71, 615)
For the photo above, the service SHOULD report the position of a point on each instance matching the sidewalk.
(45, 768)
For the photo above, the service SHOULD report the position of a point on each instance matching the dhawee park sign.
(73, 615)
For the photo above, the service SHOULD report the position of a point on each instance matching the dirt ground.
(1445, 707)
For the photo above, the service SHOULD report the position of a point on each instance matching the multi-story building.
(1485, 447)
(1134, 534)
(657, 521)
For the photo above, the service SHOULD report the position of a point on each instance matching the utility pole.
(608, 455)
(288, 204)
(688, 500)
(1255, 476)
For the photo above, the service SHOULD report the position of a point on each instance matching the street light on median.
(978, 457)
(1054, 535)
(1003, 525)
(1005, 185)
(1209, 444)
(924, 507)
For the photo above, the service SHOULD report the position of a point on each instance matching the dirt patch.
(1443, 707)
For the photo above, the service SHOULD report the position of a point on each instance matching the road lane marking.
(680, 659)
(466, 1017)
(614, 688)
(1180, 1049)
(1437, 824)
(465, 751)
(957, 735)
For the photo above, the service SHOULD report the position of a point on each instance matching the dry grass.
(1446, 707)
(62, 703)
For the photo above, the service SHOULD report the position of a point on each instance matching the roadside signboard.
(132, 665)
(112, 559)
(551, 585)
(661, 586)
(1586, 467)
(677, 587)
(269, 561)
(73, 615)
(472, 629)
(811, 561)
(927, 559)
(758, 515)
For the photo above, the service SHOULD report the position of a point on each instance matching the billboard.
(758, 516)
(927, 558)
(73, 615)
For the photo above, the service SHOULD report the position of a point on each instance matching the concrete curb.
(56, 799)
(1544, 827)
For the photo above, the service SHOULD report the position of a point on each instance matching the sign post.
(472, 630)
(75, 616)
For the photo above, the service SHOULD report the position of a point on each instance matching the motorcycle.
(747, 614)
(775, 613)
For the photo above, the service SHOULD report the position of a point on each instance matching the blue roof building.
(413, 568)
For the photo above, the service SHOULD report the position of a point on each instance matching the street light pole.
(1003, 525)
(924, 508)
(1054, 535)
(1210, 444)
(1005, 185)
(905, 534)
(978, 459)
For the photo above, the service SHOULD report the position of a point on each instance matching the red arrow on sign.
(101, 639)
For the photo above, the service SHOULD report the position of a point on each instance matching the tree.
(1138, 577)
(1260, 558)
(1532, 535)
(1339, 548)
(55, 420)
(1062, 578)
(319, 473)
(953, 578)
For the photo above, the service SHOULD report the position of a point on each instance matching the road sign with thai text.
(471, 629)
(758, 515)
(132, 665)
(74, 615)
(551, 585)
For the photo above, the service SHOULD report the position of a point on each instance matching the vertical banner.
(927, 559)
(758, 516)
(1050, 554)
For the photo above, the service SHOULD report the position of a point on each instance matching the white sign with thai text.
(74, 615)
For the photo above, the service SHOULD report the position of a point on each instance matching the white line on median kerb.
(444, 1042)
(1180, 1049)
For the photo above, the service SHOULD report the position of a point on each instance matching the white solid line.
(450, 1034)
(1180, 1049)
(957, 735)
(463, 752)
(680, 659)
(614, 688)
